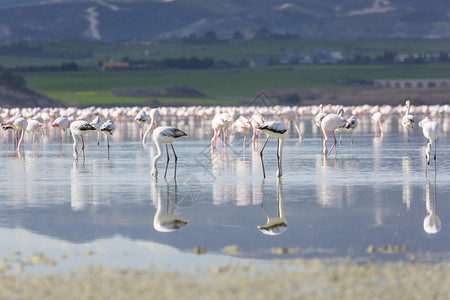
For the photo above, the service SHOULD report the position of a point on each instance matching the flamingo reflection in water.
(165, 219)
(277, 225)
(432, 222)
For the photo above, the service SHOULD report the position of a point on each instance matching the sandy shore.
(292, 279)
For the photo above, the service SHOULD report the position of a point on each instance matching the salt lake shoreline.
(243, 279)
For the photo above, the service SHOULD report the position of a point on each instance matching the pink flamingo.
(62, 123)
(329, 124)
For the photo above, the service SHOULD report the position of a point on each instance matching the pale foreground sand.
(292, 279)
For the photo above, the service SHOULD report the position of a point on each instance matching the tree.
(237, 36)
(9, 79)
(210, 36)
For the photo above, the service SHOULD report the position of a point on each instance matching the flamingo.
(141, 118)
(256, 121)
(97, 123)
(320, 115)
(242, 125)
(351, 125)
(340, 113)
(20, 123)
(9, 125)
(408, 120)
(165, 135)
(377, 117)
(108, 129)
(154, 118)
(228, 119)
(218, 123)
(79, 128)
(33, 126)
(330, 123)
(431, 131)
(62, 123)
(275, 130)
(289, 115)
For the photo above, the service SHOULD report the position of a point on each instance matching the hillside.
(106, 20)
(22, 97)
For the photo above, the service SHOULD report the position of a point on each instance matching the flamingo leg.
(82, 148)
(254, 138)
(261, 154)
(380, 128)
(280, 173)
(20, 140)
(334, 144)
(435, 171)
(176, 159)
(75, 151)
(167, 164)
(300, 134)
(325, 135)
(107, 142)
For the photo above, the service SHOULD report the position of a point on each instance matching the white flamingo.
(20, 123)
(275, 130)
(329, 124)
(408, 119)
(257, 120)
(242, 125)
(165, 135)
(33, 127)
(289, 115)
(141, 118)
(79, 128)
(217, 124)
(62, 123)
(320, 115)
(108, 129)
(377, 117)
(431, 131)
(97, 123)
(351, 125)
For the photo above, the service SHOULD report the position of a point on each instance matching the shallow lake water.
(109, 211)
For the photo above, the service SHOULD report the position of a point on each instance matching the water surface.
(109, 211)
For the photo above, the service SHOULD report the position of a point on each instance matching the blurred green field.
(233, 52)
(221, 86)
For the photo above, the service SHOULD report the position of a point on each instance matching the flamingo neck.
(158, 155)
(20, 140)
(148, 130)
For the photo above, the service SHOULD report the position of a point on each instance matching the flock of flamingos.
(274, 121)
